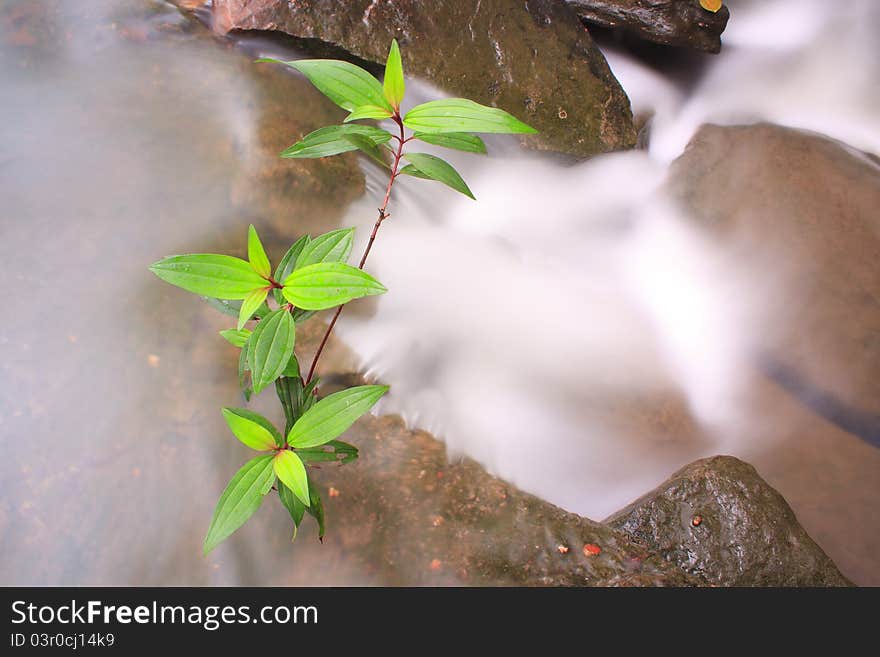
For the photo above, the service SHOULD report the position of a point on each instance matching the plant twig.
(383, 215)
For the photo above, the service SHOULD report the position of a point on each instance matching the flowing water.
(573, 331)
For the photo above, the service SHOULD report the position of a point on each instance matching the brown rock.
(716, 518)
(533, 59)
(800, 210)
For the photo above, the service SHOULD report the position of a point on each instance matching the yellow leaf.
(711, 5)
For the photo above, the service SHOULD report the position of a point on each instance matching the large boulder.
(533, 58)
(799, 211)
(716, 518)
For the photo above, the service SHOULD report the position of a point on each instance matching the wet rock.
(669, 22)
(717, 519)
(800, 211)
(533, 59)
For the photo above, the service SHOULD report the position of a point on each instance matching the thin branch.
(383, 215)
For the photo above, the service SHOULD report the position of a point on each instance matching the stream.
(571, 331)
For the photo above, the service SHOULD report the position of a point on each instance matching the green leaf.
(294, 507)
(257, 419)
(394, 86)
(292, 473)
(461, 115)
(300, 315)
(270, 348)
(237, 338)
(257, 255)
(333, 415)
(367, 147)
(209, 274)
(347, 85)
(334, 246)
(243, 369)
(233, 307)
(335, 451)
(460, 141)
(250, 304)
(328, 284)
(434, 168)
(367, 112)
(252, 433)
(240, 500)
(316, 510)
(288, 262)
(330, 140)
(292, 369)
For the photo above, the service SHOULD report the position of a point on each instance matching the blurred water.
(566, 330)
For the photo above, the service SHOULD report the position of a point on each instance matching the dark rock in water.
(533, 58)
(717, 519)
(800, 210)
(669, 22)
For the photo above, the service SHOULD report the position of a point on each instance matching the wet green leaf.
(292, 473)
(328, 141)
(347, 85)
(434, 168)
(240, 500)
(270, 347)
(393, 85)
(252, 433)
(333, 415)
(237, 338)
(368, 112)
(334, 246)
(460, 141)
(328, 284)
(257, 255)
(250, 305)
(209, 274)
(462, 115)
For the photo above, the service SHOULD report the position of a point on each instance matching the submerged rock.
(717, 519)
(800, 210)
(533, 59)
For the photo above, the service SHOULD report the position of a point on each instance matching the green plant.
(314, 275)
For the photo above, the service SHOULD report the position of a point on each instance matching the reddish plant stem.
(383, 215)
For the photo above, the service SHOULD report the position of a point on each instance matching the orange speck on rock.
(591, 550)
(438, 520)
(334, 492)
(562, 549)
(435, 564)
(153, 360)
(696, 521)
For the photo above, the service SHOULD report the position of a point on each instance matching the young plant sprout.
(314, 275)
